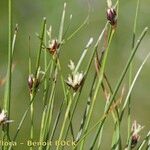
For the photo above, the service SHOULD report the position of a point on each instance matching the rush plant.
(57, 128)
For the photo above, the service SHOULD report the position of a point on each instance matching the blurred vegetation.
(28, 15)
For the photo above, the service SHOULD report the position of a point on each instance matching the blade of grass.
(62, 24)
(83, 54)
(144, 142)
(14, 39)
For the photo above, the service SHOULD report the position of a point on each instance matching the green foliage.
(65, 120)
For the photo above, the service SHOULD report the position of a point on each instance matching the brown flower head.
(135, 129)
(111, 16)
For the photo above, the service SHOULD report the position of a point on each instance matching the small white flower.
(3, 118)
(75, 80)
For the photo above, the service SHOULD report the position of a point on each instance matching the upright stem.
(32, 125)
(7, 96)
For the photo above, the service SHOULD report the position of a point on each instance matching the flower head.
(111, 14)
(53, 46)
(33, 82)
(4, 118)
(75, 80)
(135, 129)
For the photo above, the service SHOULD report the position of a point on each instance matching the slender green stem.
(31, 97)
(144, 142)
(14, 39)
(7, 96)
(8, 85)
(56, 122)
(30, 64)
(32, 118)
(62, 24)
(45, 67)
(131, 87)
(40, 49)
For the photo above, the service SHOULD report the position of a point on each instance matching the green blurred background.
(28, 15)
